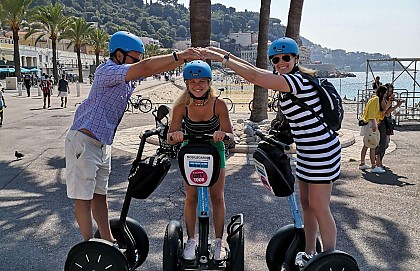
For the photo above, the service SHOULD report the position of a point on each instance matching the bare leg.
(218, 204)
(82, 211)
(363, 154)
(311, 224)
(190, 210)
(100, 214)
(319, 203)
(372, 156)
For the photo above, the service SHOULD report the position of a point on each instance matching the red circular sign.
(198, 176)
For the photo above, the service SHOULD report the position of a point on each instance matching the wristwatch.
(225, 58)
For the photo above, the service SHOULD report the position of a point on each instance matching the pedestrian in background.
(88, 143)
(27, 82)
(2, 104)
(63, 90)
(46, 87)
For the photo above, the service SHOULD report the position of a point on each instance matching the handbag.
(389, 125)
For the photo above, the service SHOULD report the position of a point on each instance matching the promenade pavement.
(377, 215)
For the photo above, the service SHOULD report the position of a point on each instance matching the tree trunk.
(79, 64)
(16, 54)
(200, 22)
(259, 111)
(54, 60)
(97, 59)
(293, 20)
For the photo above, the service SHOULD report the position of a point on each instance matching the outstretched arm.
(258, 76)
(158, 64)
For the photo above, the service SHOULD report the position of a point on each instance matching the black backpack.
(331, 103)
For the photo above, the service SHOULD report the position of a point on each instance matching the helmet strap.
(204, 97)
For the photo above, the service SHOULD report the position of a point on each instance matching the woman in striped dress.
(318, 148)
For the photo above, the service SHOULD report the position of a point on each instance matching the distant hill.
(168, 21)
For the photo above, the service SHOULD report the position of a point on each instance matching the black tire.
(332, 261)
(278, 247)
(137, 231)
(172, 246)
(145, 105)
(127, 108)
(229, 103)
(237, 250)
(95, 255)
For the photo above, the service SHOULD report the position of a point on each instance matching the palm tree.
(259, 111)
(78, 32)
(49, 20)
(293, 20)
(99, 39)
(200, 22)
(12, 14)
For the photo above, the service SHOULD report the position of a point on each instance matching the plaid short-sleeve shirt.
(103, 109)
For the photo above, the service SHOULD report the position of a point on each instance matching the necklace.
(200, 104)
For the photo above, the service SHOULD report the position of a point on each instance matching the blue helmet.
(283, 46)
(197, 69)
(125, 41)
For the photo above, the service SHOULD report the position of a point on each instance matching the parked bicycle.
(228, 101)
(273, 103)
(139, 103)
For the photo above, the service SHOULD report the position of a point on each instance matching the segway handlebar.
(150, 132)
(202, 137)
(271, 140)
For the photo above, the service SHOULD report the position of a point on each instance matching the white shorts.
(88, 165)
(62, 93)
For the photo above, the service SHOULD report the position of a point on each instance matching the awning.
(7, 69)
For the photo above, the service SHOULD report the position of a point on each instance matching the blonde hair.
(185, 98)
(311, 72)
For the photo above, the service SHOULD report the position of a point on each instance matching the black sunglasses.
(286, 58)
(135, 60)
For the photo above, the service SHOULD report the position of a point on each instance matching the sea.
(348, 87)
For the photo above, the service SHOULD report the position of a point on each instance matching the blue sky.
(374, 26)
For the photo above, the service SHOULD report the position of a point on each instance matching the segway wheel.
(334, 260)
(95, 255)
(137, 231)
(278, 247)
(172, 246)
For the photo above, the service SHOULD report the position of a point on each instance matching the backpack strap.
(297, 101)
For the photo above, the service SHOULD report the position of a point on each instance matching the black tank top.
(202, 127)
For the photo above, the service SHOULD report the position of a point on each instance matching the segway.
(199, 163)
(273, 168)
(133, 244)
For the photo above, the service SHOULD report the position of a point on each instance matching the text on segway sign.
(198, 176)
(196, 164)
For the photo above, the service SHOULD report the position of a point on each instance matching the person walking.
(2, 104)
(27, 81)
(318, 148)
(202, 113)
(63, 90)
(46, 87)
(88, 142)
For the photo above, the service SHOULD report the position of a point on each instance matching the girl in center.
(202, 113)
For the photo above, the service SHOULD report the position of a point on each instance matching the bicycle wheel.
(229, 103)
(145, 105)
(251, 105)
(127, 108)
(275, 105)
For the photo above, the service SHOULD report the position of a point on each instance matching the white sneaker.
(378, 170)
(302, 258)
(189, 250)
(219, 252)
(364, 166)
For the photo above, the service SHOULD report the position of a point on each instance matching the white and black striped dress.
(318, 149)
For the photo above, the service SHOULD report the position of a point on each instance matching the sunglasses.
(135, 60)
(286, 58)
